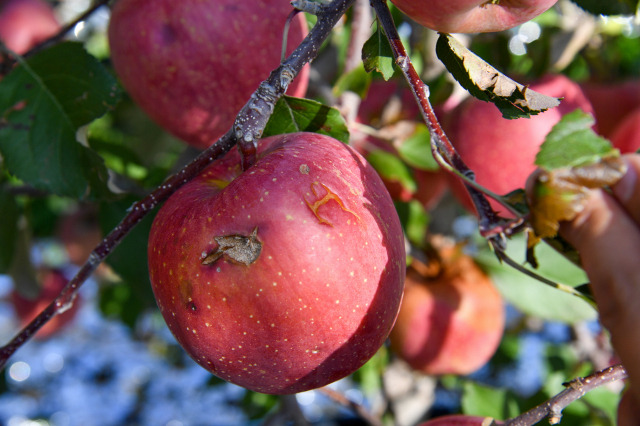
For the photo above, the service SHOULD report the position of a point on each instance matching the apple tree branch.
(246, 130)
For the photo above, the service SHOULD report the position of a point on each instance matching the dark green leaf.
(292, 115)
(43, 103)
(573, 143)
(391, 168)
(377, 55)
(121, 301)
(416, 149)
(609, 7)
(484, 82)
(9, 212)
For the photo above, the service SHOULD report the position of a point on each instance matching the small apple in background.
(502, 152)
(472, 16)
(284, 277)
(612, 102)
(626, 136)
(452, 317)
(191, 65)
(25, 23)
(461, 420)
(52, 281)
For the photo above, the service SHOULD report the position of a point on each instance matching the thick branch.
(249, 124)
(575, 390)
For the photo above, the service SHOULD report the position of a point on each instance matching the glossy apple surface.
(472, 16)
(192, 65)
(502, 152)
(25, 23)
(27, 309)
(449, 323)
(321, 292)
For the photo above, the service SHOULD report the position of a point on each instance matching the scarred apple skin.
(472, 16)
(25, 23)
(192, 64)
(502, 152)
(461, 420)
(53, 281)
(325, 289)
(451, 323)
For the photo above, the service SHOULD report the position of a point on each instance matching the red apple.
(461, 420)
(472, 16)
(502, 152)
(451, 321)
(25, 23)
(612, 102)
(626, 136)
(27, 309)
(192, 65)
(284, 277)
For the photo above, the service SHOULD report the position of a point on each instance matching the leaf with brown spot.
(484, 82)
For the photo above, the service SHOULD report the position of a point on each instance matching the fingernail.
(624, 188)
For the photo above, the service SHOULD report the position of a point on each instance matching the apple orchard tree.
(292, 184)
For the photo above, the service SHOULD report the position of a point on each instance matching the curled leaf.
(484, 82)
(560, 194)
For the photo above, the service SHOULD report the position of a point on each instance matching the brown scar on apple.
(239, 248)
(330, 195)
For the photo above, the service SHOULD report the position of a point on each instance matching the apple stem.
(490, 223)
(247, 128)
(574, 390)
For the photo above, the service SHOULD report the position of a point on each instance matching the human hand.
(607, 236)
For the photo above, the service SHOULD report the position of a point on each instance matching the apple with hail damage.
(286, 276)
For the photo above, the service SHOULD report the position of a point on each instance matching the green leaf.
(292, 115)
(481, 400)
(609, 7)
(484, 82)
(391, 168)
(416, 150)
(43, 102)
(377, 54)
(573, 143)
(9, 212)
(357, 80)
(415, 221)
(531, 296)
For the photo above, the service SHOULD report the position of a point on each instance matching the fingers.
(627, 190)
(608, 241)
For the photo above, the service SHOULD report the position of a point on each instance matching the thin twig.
(249, 124)
(355, 407)
(575, 389)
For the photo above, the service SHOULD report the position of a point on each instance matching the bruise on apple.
(318, 301)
